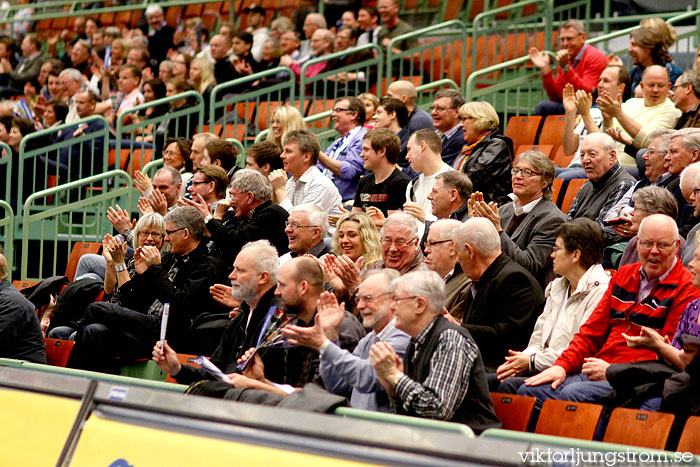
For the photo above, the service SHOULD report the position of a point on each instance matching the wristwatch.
(120, 267)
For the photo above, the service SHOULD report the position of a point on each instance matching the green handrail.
(498, 34)
(88, 157)
(127, 133)
(446, 36)
(235, 111)
(78, 220)
(7, 226)
(150, 169)
(241, 157)
(425, 98)
(93, 375)
(406, 420)
(6, 167)
(320, 86)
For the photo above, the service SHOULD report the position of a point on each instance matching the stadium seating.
(569, 419)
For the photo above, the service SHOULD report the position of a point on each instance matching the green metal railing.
(50, 233)
(183, 122)
(426, 92)
(495, 40)
(7, 227)
(442, 45)
(241, 157)
(517, 91)
(233, 114)
(43, 163)
(324, 85)
(6, 171)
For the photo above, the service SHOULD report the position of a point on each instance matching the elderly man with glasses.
(400, 245)
(442, 375)
(445, 114)
(306, 227)
(645, 296)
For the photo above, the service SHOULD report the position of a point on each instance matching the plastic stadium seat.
(58, 351)
(690, 439)
(264, 113)
(552, 129)
(571, 191)
(560, 159)
(523, 130)
(514, 411)
(20, 285)
(556, 190)
(79, 249)
(545, 149)
(638, 428)
(569, 419)
(138, 159)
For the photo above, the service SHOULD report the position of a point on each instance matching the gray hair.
(655, 200)
(208, 137)
(187, 217)
(318, 19)
(389, 275)
(665, 135)
(448, 228)
(403, 219)
(454, 179)
(692, 77)
(251, 180)
(690, 138)
(317, 216)
(574, 24)
(174, 174)
(426, 284)
(152, 220)
(72, 74)
(604, 139)
(690, 174)
(544, 166)
(480, 234)
(153, 10)
(266, 258)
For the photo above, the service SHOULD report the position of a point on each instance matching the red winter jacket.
(601, 336)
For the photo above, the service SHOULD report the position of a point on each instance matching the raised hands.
(120, 219)
(540, 59)
(477, 207)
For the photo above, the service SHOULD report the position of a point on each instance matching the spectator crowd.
(414, 265)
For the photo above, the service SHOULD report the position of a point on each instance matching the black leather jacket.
(488, 167)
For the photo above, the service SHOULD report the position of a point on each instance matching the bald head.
(689, 179)
(655, 85)
(404, 91)
(219, 46)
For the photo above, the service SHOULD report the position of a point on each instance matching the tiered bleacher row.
(60, 193)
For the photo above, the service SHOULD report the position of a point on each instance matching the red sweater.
(601, 336)
(584, 76)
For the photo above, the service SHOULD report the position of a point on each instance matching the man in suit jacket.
(505, 299)
(527, 224)
(28, 69)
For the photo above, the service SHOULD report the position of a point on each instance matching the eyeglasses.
(369, 298)
(651, 152)
(648, 245)
(400, 243)
(464, 119)
(199, 183)
(170, 232)
(527, 173)
(437, 242)
(397, 300)
(171, 154)
(155, 235)
(440, 109)
(673, 88)
(341, 110)
(295, 226)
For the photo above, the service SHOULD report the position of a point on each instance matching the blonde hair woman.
(284, 119)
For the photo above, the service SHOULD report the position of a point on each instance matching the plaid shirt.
(446, 385)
